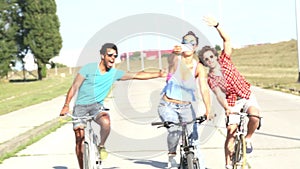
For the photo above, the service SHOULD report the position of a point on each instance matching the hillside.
(270, 65)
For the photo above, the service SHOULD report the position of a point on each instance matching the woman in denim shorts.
(179, 93)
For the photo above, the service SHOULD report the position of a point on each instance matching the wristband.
(216, 26)
(66, 105)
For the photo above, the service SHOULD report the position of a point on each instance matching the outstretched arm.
(226, 40)
(143, 75)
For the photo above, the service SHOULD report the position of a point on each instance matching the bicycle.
(239, 158)
(187, 158)
(91, 155)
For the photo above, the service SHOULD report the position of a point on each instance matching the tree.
(41, 31)
(28, 25)
(217, 47)
(8, 35)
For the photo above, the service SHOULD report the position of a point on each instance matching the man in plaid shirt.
(231, 89)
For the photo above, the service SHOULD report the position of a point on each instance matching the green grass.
(17, 95)
(271, 66)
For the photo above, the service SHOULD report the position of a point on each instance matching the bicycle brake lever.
(102, 108)
(167, 124)
(201, 119)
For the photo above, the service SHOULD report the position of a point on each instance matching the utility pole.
(297, 4)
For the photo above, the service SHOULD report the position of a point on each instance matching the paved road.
(133, 143)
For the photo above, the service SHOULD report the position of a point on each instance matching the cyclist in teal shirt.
(97, 83)
(93, 82)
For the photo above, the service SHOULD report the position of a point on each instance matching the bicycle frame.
(187, 159)
(91, 156)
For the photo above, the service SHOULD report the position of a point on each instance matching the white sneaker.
(228, 167)
(172, 164)
(249, 147)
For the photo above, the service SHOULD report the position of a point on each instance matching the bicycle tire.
(236, 153)
(190, 161)
(97, 153)
(86, 156)
(243, 149)
(182, 164)
(196, 164)
(239, 156)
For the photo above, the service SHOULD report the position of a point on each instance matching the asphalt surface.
(134, 143)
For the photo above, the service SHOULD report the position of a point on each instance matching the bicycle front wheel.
(191, 162)
(86, 156)
(243, 152)
(239, 156)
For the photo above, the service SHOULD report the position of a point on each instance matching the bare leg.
(79, 136)
(253, 121)
(229, 143)
(104, 121)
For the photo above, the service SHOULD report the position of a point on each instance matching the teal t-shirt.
(96, 86)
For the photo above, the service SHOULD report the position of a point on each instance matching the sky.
(246, 22)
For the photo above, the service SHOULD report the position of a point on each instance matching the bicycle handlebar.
(81, 118)
(167, 124)
(242, 114)
(102, 109)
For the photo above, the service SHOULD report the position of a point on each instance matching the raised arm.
(226, 40)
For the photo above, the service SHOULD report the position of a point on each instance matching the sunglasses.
(206, 59)
(111, 54)
(193, 43)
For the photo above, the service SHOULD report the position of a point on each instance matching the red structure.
(148, 54)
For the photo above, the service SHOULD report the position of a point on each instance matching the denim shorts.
(175, 112)
(82, 110)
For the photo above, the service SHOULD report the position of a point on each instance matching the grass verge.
(17, 95)
(12, 147)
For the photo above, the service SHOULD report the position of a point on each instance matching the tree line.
(28, 26)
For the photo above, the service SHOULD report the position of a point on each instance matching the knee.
(231, 129)
(105, 121)
(253, 111)
(79, 136)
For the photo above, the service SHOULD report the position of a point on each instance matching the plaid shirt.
(232, 83)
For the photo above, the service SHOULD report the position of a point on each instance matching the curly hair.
(205, 49)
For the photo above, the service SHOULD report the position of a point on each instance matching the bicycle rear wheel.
(86, 156)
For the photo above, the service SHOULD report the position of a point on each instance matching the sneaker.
(249, 147)
(228, 167)
(103, 152)
(172, 164)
